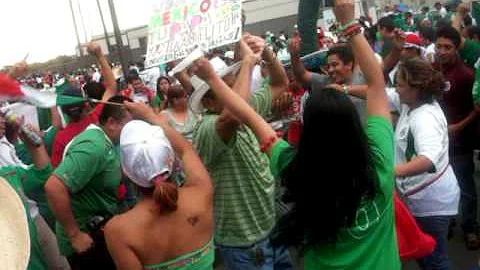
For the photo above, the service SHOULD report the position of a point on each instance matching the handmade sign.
(179, 26)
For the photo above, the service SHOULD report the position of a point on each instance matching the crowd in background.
(252, 153)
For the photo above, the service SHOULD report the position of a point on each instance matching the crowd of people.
(178, 176)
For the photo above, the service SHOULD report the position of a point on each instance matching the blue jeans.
(260, 256)
(464, 167)
(437, 227)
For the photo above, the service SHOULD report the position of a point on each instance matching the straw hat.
(201, 87)
(146, 153)
(14, 234)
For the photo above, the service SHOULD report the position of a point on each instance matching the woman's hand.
(140, 110)
(344, 11)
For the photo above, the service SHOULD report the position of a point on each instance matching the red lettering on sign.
(205, 6)
(166, 18)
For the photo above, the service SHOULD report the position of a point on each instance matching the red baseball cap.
(412, 40)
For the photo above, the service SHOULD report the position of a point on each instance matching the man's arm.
(462, 10)
(227, 124)
(392, 59)
(301, 74)
(278, 76)
(109, 78)
(59, 199)
(458, 127)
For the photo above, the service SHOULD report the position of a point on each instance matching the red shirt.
(70, 131)
(295, 127)
(457, 104)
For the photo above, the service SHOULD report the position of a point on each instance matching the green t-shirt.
(470, 52)
(387, 47)
(476, 85)
(244, 186)
(23, 180)
(158, 101)
(372, 243)
(91, 171)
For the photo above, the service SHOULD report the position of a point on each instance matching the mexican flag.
(11, 90)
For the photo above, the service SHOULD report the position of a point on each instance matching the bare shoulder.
(114, 225)
(120, 225)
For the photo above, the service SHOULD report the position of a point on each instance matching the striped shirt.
(244, 185)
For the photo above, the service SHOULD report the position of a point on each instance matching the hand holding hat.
(255, 43)
(247, 52)
(203, 69)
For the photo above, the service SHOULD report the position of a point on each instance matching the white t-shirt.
(8, 157)
(429, 53)
(429, 128)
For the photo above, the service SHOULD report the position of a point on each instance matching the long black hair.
(330, 175)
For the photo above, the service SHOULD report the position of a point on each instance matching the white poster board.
(179, 26)
(329, 18)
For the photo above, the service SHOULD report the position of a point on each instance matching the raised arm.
(462, 11)
(228, 123)
(238, 106)
(377, 101)
(393, 57)
(301, 74)
(109, 78)
(196, 173)
(278, 76)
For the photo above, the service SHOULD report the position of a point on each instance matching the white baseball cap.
(145, 153)
(201, 87)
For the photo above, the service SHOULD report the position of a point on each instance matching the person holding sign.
(341, 178)
(244, 186)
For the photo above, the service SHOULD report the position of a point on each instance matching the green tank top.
(201, 259)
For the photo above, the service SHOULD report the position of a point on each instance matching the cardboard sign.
(179, 26)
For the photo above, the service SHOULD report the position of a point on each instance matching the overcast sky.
(44, 28)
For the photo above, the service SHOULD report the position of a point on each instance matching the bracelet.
(267, 144)
(345, 26)
(350, 32)
(351, 29)
(346, 89)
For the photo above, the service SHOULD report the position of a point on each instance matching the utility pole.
(76, 29)
(118, 39)
(105, 32)
(81, 21)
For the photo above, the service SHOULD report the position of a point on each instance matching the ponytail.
(166, 195)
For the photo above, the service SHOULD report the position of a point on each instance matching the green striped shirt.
(244, 186)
